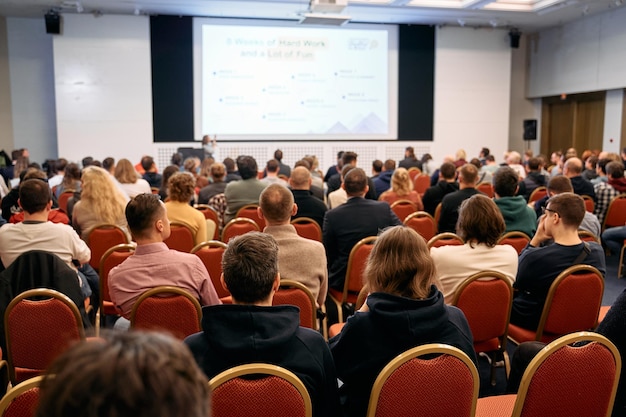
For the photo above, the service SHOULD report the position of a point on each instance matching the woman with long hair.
(180, 194)
(404, 309)
(480, 224)
(71, 180)
(129, 179)
(402, 189)
(167, 174)
(101, 201)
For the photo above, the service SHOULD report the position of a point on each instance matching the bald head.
(573, 167)
(300, 178)
(276, 204)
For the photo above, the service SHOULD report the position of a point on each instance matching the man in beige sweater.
(299, 259)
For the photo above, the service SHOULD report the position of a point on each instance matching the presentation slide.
(295, 82)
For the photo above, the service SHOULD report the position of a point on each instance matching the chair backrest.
(421, 183)
(181, 237)
(414, 172)
(210, 214)
(616, 213)
(22, 399)
(250, 211)
(443, 385)
(573, 381)
(518, 240)
(486, 188)
(39, 325)
(423, 223)
(356, 266)
(590, 205)
(573, 302)
(239, 226)
(64, 198)
(587, 236)
(437, 215)
(266, 389)
(166, 308)
(308, 228)
(486, 298)
(111, 258)
(446, 238)
(403, 208)
(210, 253)
(537, 194)
(103, 237)
(297, 294)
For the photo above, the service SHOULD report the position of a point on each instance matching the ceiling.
(526, 15)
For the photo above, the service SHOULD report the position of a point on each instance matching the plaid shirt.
(604, 194)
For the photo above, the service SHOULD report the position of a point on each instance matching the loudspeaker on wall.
(53, 23)
(530, 129)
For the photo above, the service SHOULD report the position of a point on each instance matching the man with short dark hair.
(153, 263)
(282, 168)
(252, 330)
(468, 176)
(308, 204)
(271, 169)
(299, 259)
(377, 168)
(345, 225)
(518, 217)
(534, 178)
(447, 184)
(245, 191)
(151, 175)
(539, 266)
(231, 172)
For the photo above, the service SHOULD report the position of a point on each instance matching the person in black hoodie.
(404, 309)
(447, 184)
(252, 330)
(534, 178)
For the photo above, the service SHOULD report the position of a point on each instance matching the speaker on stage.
(530, 129)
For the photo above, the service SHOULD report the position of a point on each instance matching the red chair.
(518, 240)
(297, 294)
(414, 172)
(403, 208)
(587, 236)
(446, 238)
(486, 298)
(103, 237)
(335, 329)
(39, 325)
(537, 194)
(434, 380)
(166, 308)
(423, 223)
(210, 253)
(181, 238)
(63, 199)
(421, 183)
(111, 258)
(437, 215)
(210, 214)
(572, 305)
(307, 228)
(616, 213)
(486, 188)
(239, 226)
(590, 205)
(239, 392)
(250, 211)
(566, 378)
(22, 399)
(353, 281)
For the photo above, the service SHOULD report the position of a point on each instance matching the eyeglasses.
(544, 209)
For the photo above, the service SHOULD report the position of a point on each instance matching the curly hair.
(101, 196)
(401, 182)
(181, 187)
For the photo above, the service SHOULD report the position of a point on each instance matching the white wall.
(613, 121)
(103, 87)
(586, 55)
(32, 87)
(472, 91)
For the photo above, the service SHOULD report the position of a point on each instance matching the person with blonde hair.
(404, 309)
(101, 201)
(129, 179)
(181, 191)
(402, 189)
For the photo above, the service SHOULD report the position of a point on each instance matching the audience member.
(299, 259)
(59, 172)
(243, 192)
(447, 184)
(339, 196)
(402, 189)
(308, 205)
(153, 263)
(129, 179)
(167, 174)
(345, 225)
(483, 175)
(383, 182)
(429, 166)
(151, 174)
(517, 215)
(134, 374)
(539, 266)
(11, 207)
(404, 309)
(71, 180)
(334, 183)
(460, 159)
(271, 170)
(87, 161)
(108, 164)
(534, 178)
(282, 168)
(252, 330)
(410, 160)
(480, 224)
(377, 168)
(217, 184)
(572, 169)
(450, 203)
(180, 191)
(591, 163)
(335, 169)
(231, 173)
(606, 191)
